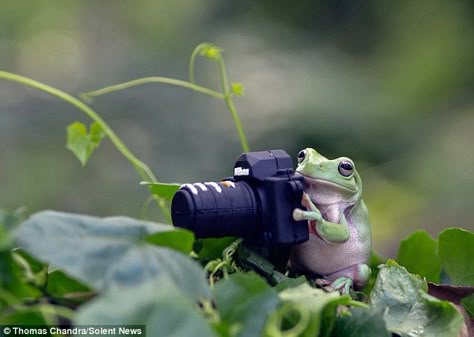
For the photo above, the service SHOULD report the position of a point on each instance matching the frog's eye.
(301, 156)
(346, 168)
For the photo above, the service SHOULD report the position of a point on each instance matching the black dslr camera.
(256, 203)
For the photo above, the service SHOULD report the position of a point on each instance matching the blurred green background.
(389, 84)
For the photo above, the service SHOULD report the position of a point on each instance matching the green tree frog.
(340, 243)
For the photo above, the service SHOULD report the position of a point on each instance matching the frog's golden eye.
(301, 156)
(346, 168)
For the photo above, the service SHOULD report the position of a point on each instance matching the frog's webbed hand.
(313, 212)
(328, 231)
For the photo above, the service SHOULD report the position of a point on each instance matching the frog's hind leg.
(356, 275)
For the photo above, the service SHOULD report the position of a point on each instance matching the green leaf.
(179, 239)
(418, 254)
(67, 291)
(374, 263)
(244, 302)
(468, 304)
(108, 252)
(165, 191)
(409, 310)
(18, 277)
(211, 248)
(456, 250)
(290, 283)
(32, 316)
(158, 304)
(60, 284)
(361, 323)
(83, 143)
(306, 311)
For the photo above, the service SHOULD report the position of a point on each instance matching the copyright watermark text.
(91, 330)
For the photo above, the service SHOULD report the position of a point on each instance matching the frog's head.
(329, 181)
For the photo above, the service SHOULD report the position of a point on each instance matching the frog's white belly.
(322, 258)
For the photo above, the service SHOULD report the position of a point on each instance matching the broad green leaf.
(29, 270)
(468, 304)
(374, 263)
(17, 275)
(179, 239)
(18, 278)
(361, 323)
(165, 191)
(60, 284)
(456, 250)
(244, 302)
(211, 248)
(306, 311)
(290, 283)
(158, 304)
(83, 143)
(419, 255)
(26, 315)
(34, 265)
(409, 310)
(108, 252)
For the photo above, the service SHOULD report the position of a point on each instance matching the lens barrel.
(216, 209)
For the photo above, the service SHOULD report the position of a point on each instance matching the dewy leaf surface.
(108, 252)
(409, 310)
(418, 254)
(456, 250)
(158, 304)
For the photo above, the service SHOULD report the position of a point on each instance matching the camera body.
(256, 203)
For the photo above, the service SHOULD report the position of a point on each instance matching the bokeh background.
(389, 84)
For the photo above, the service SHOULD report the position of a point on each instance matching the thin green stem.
(192, 59)
(238, 124)
(223, 76)
(231, 106)
(154, 79)
(142, 169)
(227, 96)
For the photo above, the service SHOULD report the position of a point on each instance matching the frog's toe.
(358, 273)
(322, 282)
(342, 284)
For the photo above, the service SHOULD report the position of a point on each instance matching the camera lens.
(216, 209)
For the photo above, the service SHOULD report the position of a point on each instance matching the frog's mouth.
(318, 183)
